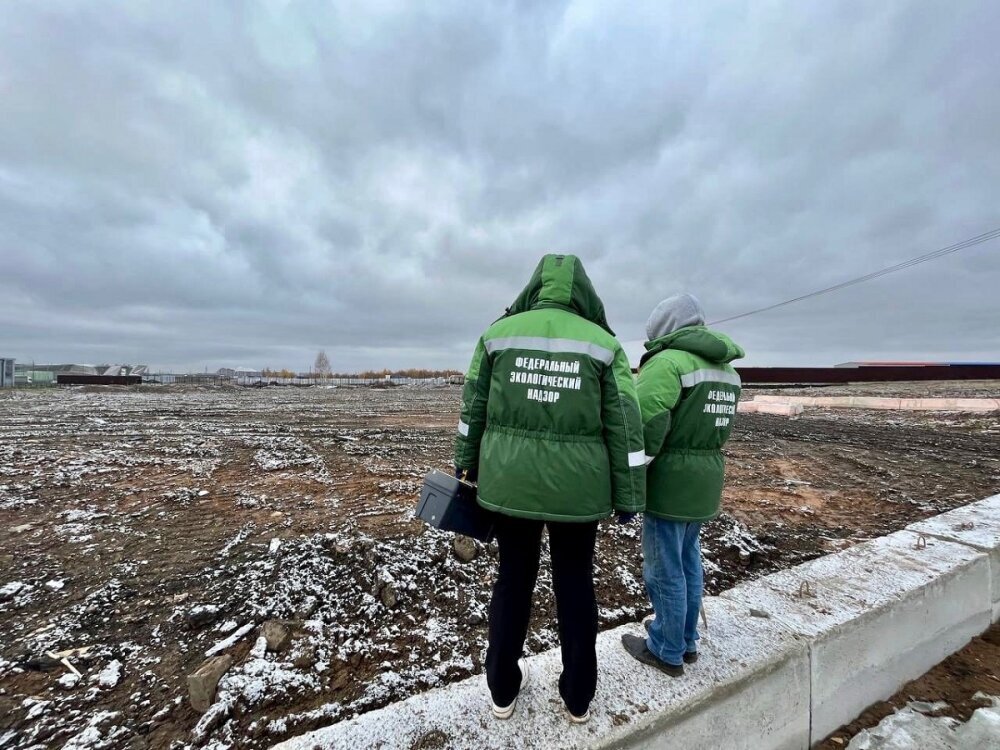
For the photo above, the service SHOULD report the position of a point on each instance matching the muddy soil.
(958, 680)
(153, 527)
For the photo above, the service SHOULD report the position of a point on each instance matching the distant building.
(918, 364)
(68, 369)
(238, 372)
(42, 375)
(121, 370)
(6, 373)
(27, 375)
(195, 378)
(889, 364)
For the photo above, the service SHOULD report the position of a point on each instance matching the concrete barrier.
(873, 402)
(977, 526)
(781, 410)
(950, 404)
(786, 660)
(877, 615)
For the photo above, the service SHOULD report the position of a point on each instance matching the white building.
(238, 372)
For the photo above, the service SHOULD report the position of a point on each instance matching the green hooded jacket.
(688, 394)
(549, 412)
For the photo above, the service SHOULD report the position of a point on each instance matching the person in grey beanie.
(688, 392)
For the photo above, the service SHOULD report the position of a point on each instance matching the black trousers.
(572, 549)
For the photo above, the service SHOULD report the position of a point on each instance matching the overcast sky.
(208, 184)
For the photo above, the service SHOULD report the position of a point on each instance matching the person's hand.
(624, 518)
(468, 475)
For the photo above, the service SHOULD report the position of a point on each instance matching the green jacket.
(688, 394)
(549, 411)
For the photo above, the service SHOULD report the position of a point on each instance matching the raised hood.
(560, 281)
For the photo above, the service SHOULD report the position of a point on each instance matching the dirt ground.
(958, 680)
(148, 528)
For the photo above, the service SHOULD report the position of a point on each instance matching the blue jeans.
(672, 571)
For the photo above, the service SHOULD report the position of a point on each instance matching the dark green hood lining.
(560, 281)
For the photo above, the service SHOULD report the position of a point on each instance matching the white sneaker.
(577, 719)
(506, 712)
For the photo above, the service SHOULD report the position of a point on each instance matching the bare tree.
(322, 365)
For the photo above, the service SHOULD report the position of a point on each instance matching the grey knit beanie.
(675, 312)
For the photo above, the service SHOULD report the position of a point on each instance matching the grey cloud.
(244, 183)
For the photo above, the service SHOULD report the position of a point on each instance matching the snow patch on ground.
(277, 453)
(911, 729)
(68, 681)
(738, 538)
(109, 677)
(101, 732)
(12, 589)
(12, 495)
(259, 681)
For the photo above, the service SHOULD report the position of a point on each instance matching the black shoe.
(638, 650)
(690, 657)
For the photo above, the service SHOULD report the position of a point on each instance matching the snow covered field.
(143, 531)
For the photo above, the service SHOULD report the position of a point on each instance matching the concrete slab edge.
(976, 525)
(652, 734)
(978, 405)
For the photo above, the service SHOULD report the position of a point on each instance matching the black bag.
(450, 504)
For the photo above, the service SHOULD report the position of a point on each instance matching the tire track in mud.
(841, 431)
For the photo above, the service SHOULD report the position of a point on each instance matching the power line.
(933, 255)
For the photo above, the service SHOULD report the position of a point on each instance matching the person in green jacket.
(688, 394)
(550, 426)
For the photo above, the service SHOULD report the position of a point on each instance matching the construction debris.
(231, 640)
(203, 682)
(872, 402)
(778, 409)
(277, 634)
(464, 548)
(65, 662)
(388, 595)
(202, 615)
